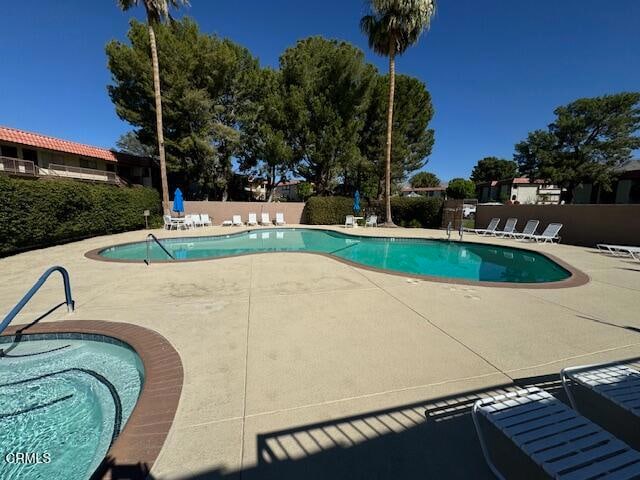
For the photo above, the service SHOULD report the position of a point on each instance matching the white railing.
(15, 165)
(80, 173)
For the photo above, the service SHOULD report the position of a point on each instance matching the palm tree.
(157, 12)
(392, 27)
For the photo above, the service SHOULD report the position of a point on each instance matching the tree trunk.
(392, 84)
(158, 98)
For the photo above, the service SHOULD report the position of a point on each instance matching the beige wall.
(584, 225)
(220, 211)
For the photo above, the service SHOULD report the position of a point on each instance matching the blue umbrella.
(178, 204)
(356, 202)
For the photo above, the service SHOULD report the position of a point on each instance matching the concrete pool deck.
(298, 365)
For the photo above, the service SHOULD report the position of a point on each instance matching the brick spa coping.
(135, 450)
(577, 277)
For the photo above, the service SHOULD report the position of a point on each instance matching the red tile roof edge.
(37, 140)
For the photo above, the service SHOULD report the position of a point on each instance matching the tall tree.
(207, 83)
(461, 188)
(157, 12)
(412, 138)
(493, 168)
(424, 180)
(266, 150)
(392, 26)
(327, 88)
(587, 140)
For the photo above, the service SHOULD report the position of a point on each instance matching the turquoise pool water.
(62, 403)
(459, 260)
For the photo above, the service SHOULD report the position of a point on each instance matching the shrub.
(407, 212)
(327, 210)
(39, 213)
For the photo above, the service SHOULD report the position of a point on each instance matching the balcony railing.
(15, 165)
(79, 173)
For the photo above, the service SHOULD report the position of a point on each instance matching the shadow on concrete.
(433, 439)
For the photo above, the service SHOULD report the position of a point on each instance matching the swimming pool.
(420, 257)
(64, 399)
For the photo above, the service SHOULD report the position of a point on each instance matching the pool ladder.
(450, 229)
(43, 278)
(150, 237)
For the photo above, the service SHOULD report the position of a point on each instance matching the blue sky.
(496, 68)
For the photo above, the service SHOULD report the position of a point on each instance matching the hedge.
(39, 213)
(407, 212)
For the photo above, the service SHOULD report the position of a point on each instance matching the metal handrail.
(154, 238)
(43, 278)
(449, 231)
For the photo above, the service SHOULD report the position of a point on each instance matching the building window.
(88, 163)
(31, 155)
(7, 151)
(111, 167)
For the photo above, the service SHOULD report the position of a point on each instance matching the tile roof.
(50, 143)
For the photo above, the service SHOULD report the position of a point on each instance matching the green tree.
(461, 188)
(130, 143)
(206, 83)
(424, 179)
(266, 151)
(412, 139)
(157, 12)
(493, 168)
(392, 26)
(326, 88)
(587, 140)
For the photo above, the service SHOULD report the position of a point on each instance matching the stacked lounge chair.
(531, 434)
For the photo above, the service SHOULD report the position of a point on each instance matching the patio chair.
(227, 223)
(252, 219)
(609, 394)
(189, 222)
(264, 219)
(529, 229)
(280, 219)
(237, 221)
(206, 221)
(620, 250)
(490, 230)
(372, 221)
(197, 221)
(169, 223)
(549, 235)
(534, 435)
(349, 221)
(509, 228)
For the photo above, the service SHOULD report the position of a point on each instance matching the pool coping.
(137, 447)
(577, 277)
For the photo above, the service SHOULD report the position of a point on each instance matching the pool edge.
(577, 277)
(137, 447)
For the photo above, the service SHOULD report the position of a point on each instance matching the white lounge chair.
(280, 219)
(548, 235)
(169, 223)
(227, 223)
(490, 230)
(620, 250)
(529, 229)
(349, 221)
(372, 221)
(197, 221)
(509, 228)
(252, 219)
(264, 219)
(611, 395)
(535, 435)
(188, 222)
(237, 221)
(206, 221)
